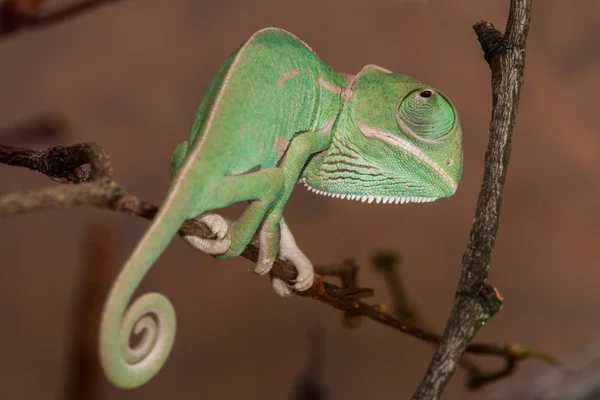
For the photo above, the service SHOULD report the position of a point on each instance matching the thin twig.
(347, 272)
(19, 15)
(98, 190)
(388, 263)
(476, 300)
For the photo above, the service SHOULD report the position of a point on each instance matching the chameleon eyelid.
(409, 132)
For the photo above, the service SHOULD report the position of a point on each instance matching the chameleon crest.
(272, 115)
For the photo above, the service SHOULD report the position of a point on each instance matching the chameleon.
(274, 115)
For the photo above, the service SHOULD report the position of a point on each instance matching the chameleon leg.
(264, 187)
(300, 150)
(215, 222)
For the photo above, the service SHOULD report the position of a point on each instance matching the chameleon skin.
(274, 114)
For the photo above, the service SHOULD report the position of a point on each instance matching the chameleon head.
(396, 140)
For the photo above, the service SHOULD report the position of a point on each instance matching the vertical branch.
(310, 386)
(100, 267)
(476, 300)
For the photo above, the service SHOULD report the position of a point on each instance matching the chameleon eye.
(426, 114)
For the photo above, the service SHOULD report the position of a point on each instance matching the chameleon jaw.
(370, 199)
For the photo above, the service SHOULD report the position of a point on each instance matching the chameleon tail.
(152, 316)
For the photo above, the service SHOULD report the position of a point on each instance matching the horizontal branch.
(94, 187)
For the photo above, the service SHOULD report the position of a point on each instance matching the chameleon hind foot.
(219, 226)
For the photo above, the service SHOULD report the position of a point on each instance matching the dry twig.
(476, 300)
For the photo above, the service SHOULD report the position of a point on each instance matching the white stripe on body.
(287, 75)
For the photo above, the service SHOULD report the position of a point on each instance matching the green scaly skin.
(273, 114)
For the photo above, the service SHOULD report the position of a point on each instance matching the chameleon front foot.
(219, 226)
(289, 251)
(272, 242)
(281, 288)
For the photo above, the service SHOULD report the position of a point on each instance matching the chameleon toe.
(304, 283)
(281, 288)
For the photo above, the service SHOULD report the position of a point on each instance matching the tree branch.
(95, 187)
(476, 300)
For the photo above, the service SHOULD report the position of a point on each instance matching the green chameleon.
(274, 114)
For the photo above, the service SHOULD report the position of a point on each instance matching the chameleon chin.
(272, 115)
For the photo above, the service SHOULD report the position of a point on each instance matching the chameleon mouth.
(370, 199)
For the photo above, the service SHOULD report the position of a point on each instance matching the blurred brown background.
(129, 76)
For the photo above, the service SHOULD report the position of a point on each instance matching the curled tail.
(152, 316)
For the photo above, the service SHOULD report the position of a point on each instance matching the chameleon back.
(260, 97)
